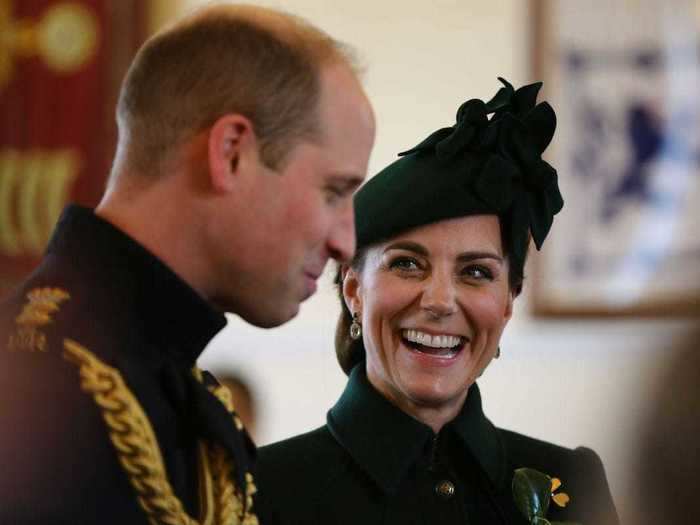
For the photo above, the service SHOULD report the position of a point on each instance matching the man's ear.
(232, 145)
(352, 289)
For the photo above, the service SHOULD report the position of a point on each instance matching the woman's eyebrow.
(462, 257)
(409, 246)
(472, 256)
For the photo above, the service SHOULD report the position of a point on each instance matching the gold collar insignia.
(41, 304)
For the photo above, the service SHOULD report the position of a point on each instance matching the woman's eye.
(404, 264)
(477, 272)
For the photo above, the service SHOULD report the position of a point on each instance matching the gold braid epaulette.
(139, 454)
(231, 500)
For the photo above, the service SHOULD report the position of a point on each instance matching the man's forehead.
(343, 97)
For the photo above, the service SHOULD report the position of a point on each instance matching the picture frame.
(623, 78)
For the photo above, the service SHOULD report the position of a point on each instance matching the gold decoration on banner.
(65, 38)
(139, 454)
(41, 304)
(6, 43)
(34, 187)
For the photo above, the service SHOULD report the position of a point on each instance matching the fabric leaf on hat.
(502, 97)
(541, 121)
(519, 235)
(430, 142)
(494, 185)
(516, 102)
(471, 118)
(544, 204)
(515, 143)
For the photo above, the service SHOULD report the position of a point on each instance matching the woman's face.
(433, 303)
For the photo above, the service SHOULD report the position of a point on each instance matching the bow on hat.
(514, 180)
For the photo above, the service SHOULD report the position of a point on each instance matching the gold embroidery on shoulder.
(223, 394)
(139, 454)
(131, 434)
(41, 304)
(232, 503)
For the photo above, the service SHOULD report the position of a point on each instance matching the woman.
(442, 239)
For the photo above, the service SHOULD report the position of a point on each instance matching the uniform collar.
(140, 291)
(386, 442)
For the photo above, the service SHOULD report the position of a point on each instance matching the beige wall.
(571, 382)
(162, 11)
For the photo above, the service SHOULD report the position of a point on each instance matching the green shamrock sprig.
(532, 493)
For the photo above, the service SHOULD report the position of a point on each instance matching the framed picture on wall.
(624, 79)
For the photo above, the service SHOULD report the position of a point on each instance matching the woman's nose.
(439, 296)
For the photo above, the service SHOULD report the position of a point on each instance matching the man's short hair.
(256, 62)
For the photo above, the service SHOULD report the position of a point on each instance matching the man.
(243, 133)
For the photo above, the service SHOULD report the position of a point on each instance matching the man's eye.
(334, 194)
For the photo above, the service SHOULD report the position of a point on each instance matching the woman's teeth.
(432, 341)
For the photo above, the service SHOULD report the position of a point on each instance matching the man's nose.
(341, 239)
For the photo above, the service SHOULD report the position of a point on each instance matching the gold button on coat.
(445, 489)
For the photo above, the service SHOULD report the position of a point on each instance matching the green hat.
(480, 165)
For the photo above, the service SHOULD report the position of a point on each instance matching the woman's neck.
(435, 415)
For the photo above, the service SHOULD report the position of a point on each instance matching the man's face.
(302, 215)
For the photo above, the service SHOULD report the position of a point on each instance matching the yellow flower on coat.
(560, 498)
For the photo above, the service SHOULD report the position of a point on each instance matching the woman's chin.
(433, 385)
(429, 396)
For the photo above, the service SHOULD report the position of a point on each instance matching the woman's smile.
(441, 346)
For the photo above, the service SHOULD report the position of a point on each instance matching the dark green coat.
(373, 464)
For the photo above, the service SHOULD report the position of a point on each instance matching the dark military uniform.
(104, 417)
(373, 464)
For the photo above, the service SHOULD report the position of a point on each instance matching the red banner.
(61, 62)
